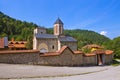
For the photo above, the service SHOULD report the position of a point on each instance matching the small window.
(53, 47)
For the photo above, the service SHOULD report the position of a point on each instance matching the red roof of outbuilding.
(108, 52)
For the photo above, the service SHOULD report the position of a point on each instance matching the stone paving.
(36, 72)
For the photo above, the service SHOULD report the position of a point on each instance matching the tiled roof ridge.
(109, 52)
(62, 49)
(18, 51)
(92, 45)
(59, 52)
(102, 52)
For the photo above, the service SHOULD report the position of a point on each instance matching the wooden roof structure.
(17, 44)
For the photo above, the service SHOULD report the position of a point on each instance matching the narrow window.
(53, 47)
(56, 29)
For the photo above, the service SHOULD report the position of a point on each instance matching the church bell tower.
(58, 27)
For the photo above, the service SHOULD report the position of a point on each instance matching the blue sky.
(102, 16)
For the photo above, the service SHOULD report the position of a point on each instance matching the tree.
(29, 44)
(115, 46)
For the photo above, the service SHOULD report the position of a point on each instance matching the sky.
(101, 16)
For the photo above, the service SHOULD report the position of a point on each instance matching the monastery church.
(52, 42)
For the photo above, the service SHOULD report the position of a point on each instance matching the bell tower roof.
(58, 21)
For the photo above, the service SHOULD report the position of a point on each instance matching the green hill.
(22, 30)
(85, 37)
(19, 30)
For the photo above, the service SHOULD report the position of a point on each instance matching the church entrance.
(100, 59)
(43, 48)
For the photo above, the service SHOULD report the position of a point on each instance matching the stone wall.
(19, 57)
(108, 58)
(67, 58)
(64, 57)
(90, 60)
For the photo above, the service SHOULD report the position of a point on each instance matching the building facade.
(52, 42)
(3, 42)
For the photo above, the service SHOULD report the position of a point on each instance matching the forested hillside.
(22, 30)
(19, 30)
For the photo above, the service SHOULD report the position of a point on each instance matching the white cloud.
(103, 32)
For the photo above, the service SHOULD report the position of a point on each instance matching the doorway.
(100, 59)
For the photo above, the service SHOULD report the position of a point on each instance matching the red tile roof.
(108, 52)
(62, 49)
(78, 52)
(92, 46)
(102, 52)
(98, 52)
(18, 51)
(17, 44)
(88, 55)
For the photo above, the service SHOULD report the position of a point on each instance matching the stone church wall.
(52, 44)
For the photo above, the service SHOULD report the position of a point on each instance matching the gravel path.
(33, 72)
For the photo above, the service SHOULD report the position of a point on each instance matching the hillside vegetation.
(115, 46)
(22, 30)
